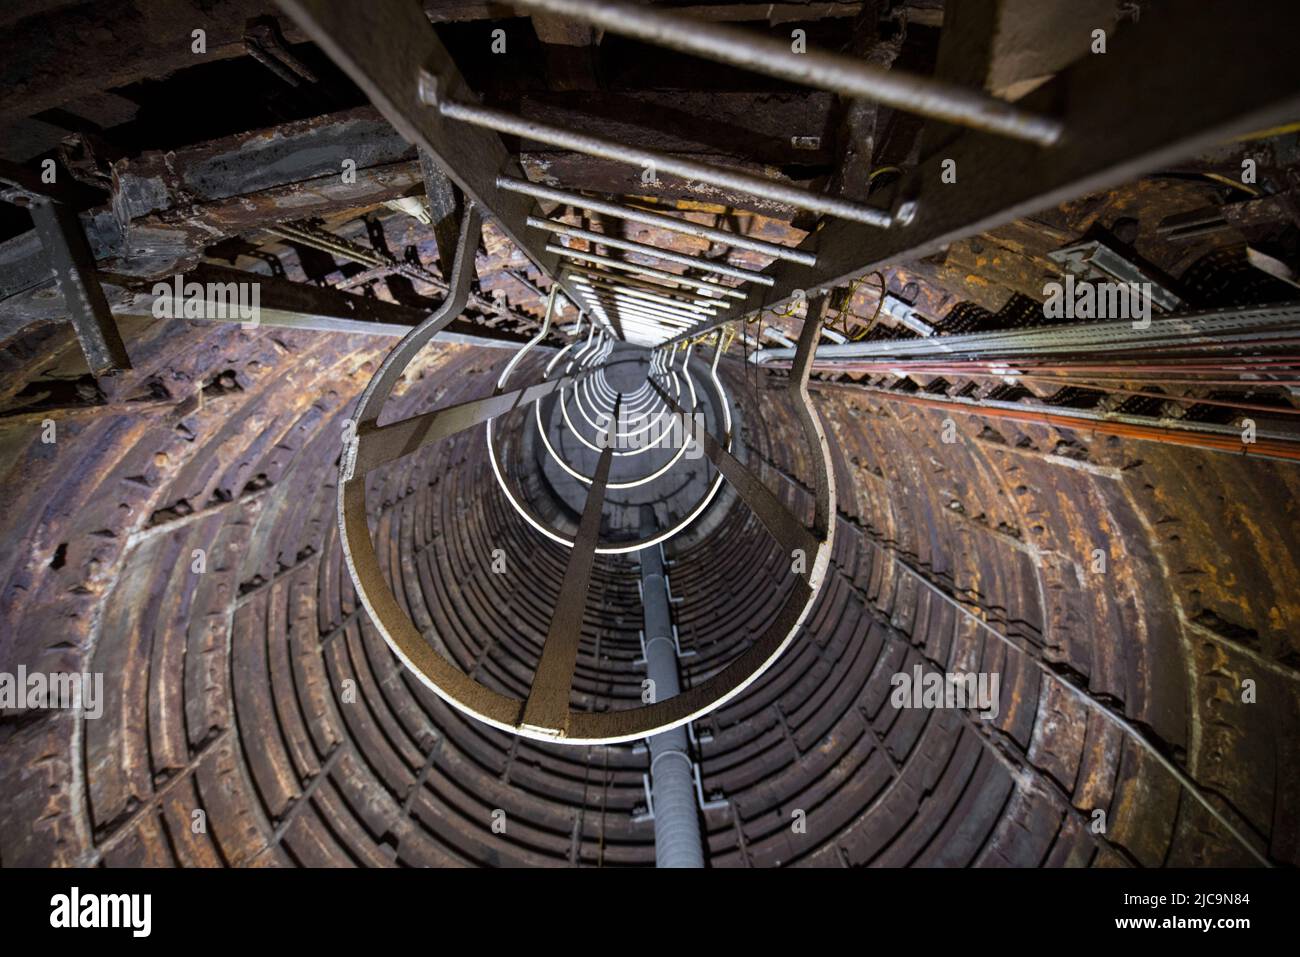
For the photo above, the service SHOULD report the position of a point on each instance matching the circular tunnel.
(181, 540)
(845, 232)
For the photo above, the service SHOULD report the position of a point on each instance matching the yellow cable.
(880, 301)
(843, 314)
(1229, 181)
(1272, 131)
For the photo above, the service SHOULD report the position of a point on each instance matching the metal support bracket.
(73, 265)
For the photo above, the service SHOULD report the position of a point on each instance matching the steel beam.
(59, 229)
(380, 444)
(283, 303)
(547, 709)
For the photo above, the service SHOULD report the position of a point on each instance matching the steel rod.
(694, 262)
(502, 122)
(667, 319)
(838, 74)
(1083, 421)
(643, 270)
(631, 292)
(618, 298)
(329, 244)
(642, 324)
(659, 323)
(633, 308)
(633, 305)
(1228, 327)
(1090, 384)
(647, 285)
(628, 297)
(619, 211)
(635, 295)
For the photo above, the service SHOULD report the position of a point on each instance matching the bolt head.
(427, 87)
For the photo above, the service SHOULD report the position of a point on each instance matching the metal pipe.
(653, 337)
(609, 299)
(1213, 438)
(1252, 365)
(772, 190)
(663, 322)
(1091, 384)
(646, 328)
(622, 296)
(632, 292)
(1137, 393)
(643, 270)
(838, 74)
(1230, 327)
(632, 318)
(643, 319)
(649, 326)
(700, 296)
(1116, 373)
(672, 223)
(619, 301)
(632, 306)
(677, 821)
(1018, 371)
(541, 334)
(671, 292)
(329, 244)
(695, 262)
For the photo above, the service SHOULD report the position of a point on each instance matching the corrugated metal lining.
(232, 690)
